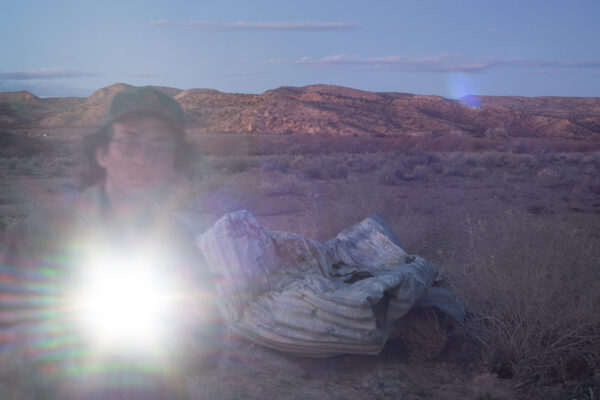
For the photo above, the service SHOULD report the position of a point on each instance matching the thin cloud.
(289, 26)
(192, 24)
(144, 75)
(202, 24)
(534, 63)
(241, 74)
(303, 60)
(338, 58)
(258, 26)
(271, 61)
(437, 63)
(44, 73)
(582, 63)
(547, 72)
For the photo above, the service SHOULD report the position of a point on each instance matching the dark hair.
(92, 173)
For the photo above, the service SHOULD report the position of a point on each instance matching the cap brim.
(159, 113)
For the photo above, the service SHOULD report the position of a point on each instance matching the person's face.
(139, 160)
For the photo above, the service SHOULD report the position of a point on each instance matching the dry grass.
(438, 142)
(44, 165)
(529, 279)
(531, 290)
(338, 207)
(322, 167)
(424, 333)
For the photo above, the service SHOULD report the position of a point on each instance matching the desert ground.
(515, 224)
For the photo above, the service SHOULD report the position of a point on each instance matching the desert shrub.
(27, 167)
(57, 166)
(323, 167)
(10, 163)
(551, 173)
(388, 177)
(57, 169)
(437, 167)
(281, 164)
(415, 157)
(522, 162)
(455, 170)
(549, 145)
(471, 161)
(12, 144)
(313, 172)
(579, 146)
(337, 171)
(424, 332)
(337, 208)
(233, 165)
(547, 158)
(420, 172)
(365, 163)
(528, 161)
(473, 165)
(44, 165)
(530, 287)
(414, 164)
(592, 159)
(450, 141)
(457, 141)
(493, 159)
(287, 184)
(227, 144)
(261, 144)
(477, 172)
(455, 164)
(398, 176)
(227, 165)
(520, 146)
(209, 166)
(572, 158)
(328, 144)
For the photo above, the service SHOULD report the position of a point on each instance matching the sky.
(440, 47)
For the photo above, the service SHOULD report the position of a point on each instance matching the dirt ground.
(430, 215)
(246, 371)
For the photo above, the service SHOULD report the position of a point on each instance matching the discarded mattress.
(294, 294)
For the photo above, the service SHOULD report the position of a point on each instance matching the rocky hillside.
(26, 109)
(324, 109)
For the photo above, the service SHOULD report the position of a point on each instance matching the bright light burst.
(124, 302)
(106, 318)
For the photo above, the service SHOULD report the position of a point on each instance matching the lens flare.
(124, 302)
(462, 88)
(105, 319)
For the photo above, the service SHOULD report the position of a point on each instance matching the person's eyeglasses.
(155, 149)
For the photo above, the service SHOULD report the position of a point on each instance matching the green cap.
(146, 99)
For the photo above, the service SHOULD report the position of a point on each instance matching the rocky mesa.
(329, 110)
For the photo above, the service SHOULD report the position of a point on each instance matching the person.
(129, 210)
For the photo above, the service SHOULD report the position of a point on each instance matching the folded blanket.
(293, 294)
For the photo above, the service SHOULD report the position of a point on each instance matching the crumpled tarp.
(294, 294)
